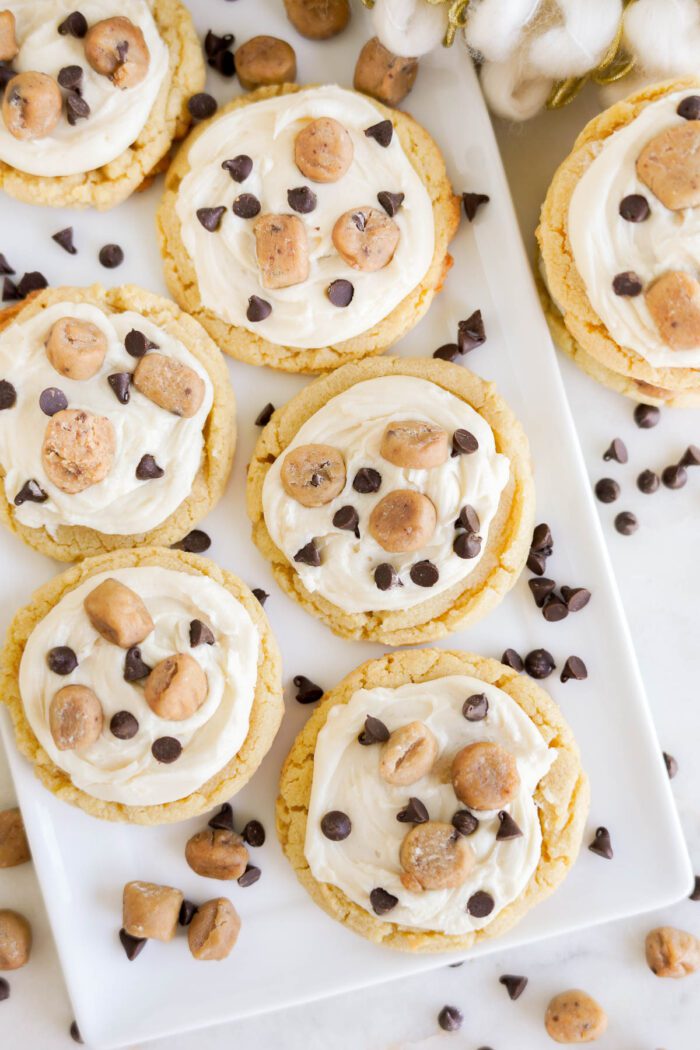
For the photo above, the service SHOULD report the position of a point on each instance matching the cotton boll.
(495, 27)
(409, 27)
(572, 49)
(511, 91)
(664, 35)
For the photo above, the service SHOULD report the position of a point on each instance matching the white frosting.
(121, 504)
(354, 422)
(346, 777)
(117, 116)
(225, 261)
(604, 244)
(125, 770)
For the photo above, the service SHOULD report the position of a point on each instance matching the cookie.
(110, 100)
(255, 253)
(147, 764)
(425, 874)
(618, 273)
(120, 428)
(394, 499)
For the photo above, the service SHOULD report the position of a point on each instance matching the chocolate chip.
(390, 202)
(135, 667)
(574, 668)
(254, 834)
(7, 73)
(375, 732)
(539, 663)
(187, 913)
(446, 352)
(382, 132)
(61, 659)
(120, 383)
(627, 284)
(626, 523)
(336, 825)
(576, 598)
(123, 725)
(467, 545)
(617, 450)
(9, 290)
(340, 292)
(246, 206)
(147, 469)
(166, 749)
(468, 519)
(367, 480)
(33, 281)
(75, 25)
(52, 400)
(671, 765)
(307, 691)
(690, 458)
(541, 588)
(360, 220)
(511, 658)
(249, 877)
(695, 893)
(213, 43)
(542, 539)
(122, 49)
(260, 594)
(4, 265)
(480, 904)
(508, 829)
(111, 256)
(200, 634)
(465, 822)
(347, 518)
(472, 202)
(471, 333)
(513, 984)
(386, 577)
(537, 562)
(414, 813)
(646, 416)
(475, 708)
(309, 554)
(8, 394)
(195, 542)
(264, 415)
(239, 168)
(302, 199)
(648, 482)
(258, 309)
(76, 109)
(689, 108)
(64, 238)
(4, 990)
(675, 476)
(74, 1033)
(136, 344)
(70, 77)
(381, 900)
(634, 208)
(450, 1019)
(31, 492)
(601, 844)
(210, 218)
(202, 105)
(223, 63)
(223, 820)
(132, 946)
(607, 490)
(463, 443)
(554, 609)
(424, 573)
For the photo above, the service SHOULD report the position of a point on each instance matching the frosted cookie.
(99, 94)
(144, 685)
(432, 799)
(307, 228)
(619, 237)
(394, 499)
(117, 421)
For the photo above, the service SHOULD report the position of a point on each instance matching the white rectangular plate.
(289, 952)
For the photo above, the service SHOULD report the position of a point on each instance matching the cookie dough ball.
(435, 856)
(150, 910)
(78, 449)
(116, 48)
(313, 474)
(265, 60)
(14, 848)
(383, 75)
(674, 304)
(32, 106)
(318, 19)
(366, 238)
(217, 853)
(415, 444)
(75, 717)
(403, 521)
(15, 940)
(118, 614)
(671, 952)
(176, 687)
(485, 776)
(76, 348)
(282, 250)
(214, 930)
(670, 165)
(574, 1017)
(323, 150)
(8, 36)
(170, 384)
(408, 754)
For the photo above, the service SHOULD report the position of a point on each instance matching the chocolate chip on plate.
(258, 309)
(671, 765)
(64, 238)
(514, 984)
(607, 490)
(74, 1033)
(166, 749)
(601, 844)
(574, 668)
(120, 383)
(4, 990)
(648, 481)
(646, 416)
(31, 492)
(32, 281)
(537, 562)
(446, 352)
(135, 668)
(200, 634)
(468, 519)
(132, 946)
(471, 333)
(465, 822)
(539, 663)
(691, 457)
(347, 518)
(627, 284)
(414, 813)
(374, 732)
(511, 658)
(340, 292)
(467, 545)
(626, 523)
(554, 609)
(475, 707)
(382, 133)
(695, 893)
(689, 108)
(246, 206)
(136, 344)
(480, 904)
(675, 476)
(123, 725)
(302, 199)
(195, 542)
(239, 168)
(210, 218)
(202, 105)
(9, 290)
(336, 825)
(61, 659)
(111, 256)
(187, 911)
(508, 828)
(450, 1019)
(223, 820)
(424, 573)
(463, 443)
(308, 692)
(576, 598)
(5, 267)
(382, 901)
(8, 394)
(254, 833)
(390, 202)
(309, 554)
(260, 594)
(74, 25)
(634, 208)
(616, 450)
(542, 539)
(147, 469)
(472, 202)
(264, 415)
(249, 877)
(52, 400)
(541, 588)
(367, 480)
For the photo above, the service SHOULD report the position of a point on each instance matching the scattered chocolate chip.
(74, 1033)
(264, 415)
(367, 480)
(340, 292)
(576, 598)
(537, 562)
(414, 813)
(187, 913)
(541, 588)
(239, 168)
(508, 828)
(626, 523)
(31, 492)
(120, 383)
(695, 893)
(9, 290)
(689, 108)
(472, 202)
(336, 825)
(254, 834)
(574, 668)
(77, 109)
(135, 668)
(601, 844)
(542, 539)
(475, 708)
(302, 199)
(249, 877)
(4, 990)
(70, 77)
(691, 457)
(210, 218)
(64, 238)
(136, 344)
(554, 609)
(347, 518)
(123, 725)
(450, 1019)
(33, 281)
(471, 333)
(5, 266)
(202, 105)
(309, 554)
(166, 749)
(213, 43)
(465, 822)
(375, 732)
(74, 25)
(200, 634)
(675, 476)
(627, 284)
(468, 519)
(480, 904)
(246, 206)
(648, 482)
(446, 352)
(634, 208)
(132, 946)
(307, 691)
(61, 659)
(671, 765)
(223, 820)
(539, 663)
(258, 309)
(424, 573)
(223, 62)
(607, 490)
(147, 469)
(8, 394)
(463, 443)
(381, 900)
(511, 658)
(260, 594)
(513, 984)
(466, 545)
(195, 542)
(646, 416)
(617, 450)
(382, 133)
(390, 202)
(111, 256)
(52, 400)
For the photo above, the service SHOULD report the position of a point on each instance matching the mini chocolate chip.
(4, 264)
(386, 576)
(347, 518)
(414, 813)
(472, 202)
(375, 732)
(626, 523)
(4, 990)
(9, 290)
(607, 490)
(539, 663)
(541, 588)
(601, 844)
(6, 75)
(340, 292)
(695, 893)
(120, 383)
(264, 415)
(201, 634)
(8, 394)
(675, 476)
(424, 573)
(475, 708)
(691, 457)
(616, 450)
(576, 598)
(302, 199)
(246, 206)
(260, 594)
(671, 765)
(511, 658)
(254, 833)
(213, 43)
(132, 946)
(147, 469)
(258, 309)
(111, 256)
(33, 281)
(166, 749)
(467, 545)
(210, 218)
(574, 668)
(367, 480)
(249, 877)
(64, 238)
(307, 691)
(187, 913)
(336, 825)
(77, 109)
(122, 49)
(634, 208)
(31, 492)
(223, 62)
(508, 828)
(309, 554)
(202, 105)
(390, 202)
(360, 220)
(465, 822)
(70, 77)
(61, 659)
(74, 25)
(554, 609)
(74, 1033)
(537, 562)
(513, 984)
(381, 900)
(689, 108)
(542, 539)
(463, 443)
(136, 344)
(646, 416)
(627, 284)
(123, 725)
(52, 400)
(446, 352)
(223, 820)
(382, 133)
(468, 519)
(239, 168)
(195, 542)
(480, 904)
(471, 333)
(135, 668)
(648, 482)
(450, 1019)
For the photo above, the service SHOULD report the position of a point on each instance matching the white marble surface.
(658, 570)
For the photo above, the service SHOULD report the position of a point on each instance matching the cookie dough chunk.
(404, 520)
(366, 238)
(170, 384)
(674, 303)
(176, 687)
(323, 150)
(670, 166)
(116, 48)
(574, 1017)
(265, 60)
(217, 853)
(76, 348)
(214, 930)
(408, 754)
(485, 776)
(14, 848)
(75, 717)
(435, 856)
(32, 105)
(415, 444)
(118, 614)
(150, 910)
(8, 37)
(282, 250)
(383, 75)
(318, 19)
(78, 449)
(313, 474)
(671, 952)
(15, 940)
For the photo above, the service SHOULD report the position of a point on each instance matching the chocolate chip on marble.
(347, 518)
(239, 168)
(260, 594)
(264, 415)
(467, 545)
(64, 238)
(200, 634)
(4, 990)
(254, 834)
(689, 108)
(32, 281)
(601, 844)
(463, 443)
(539, 663)
(246, 206)
(471, 333)
(249, 877)
(195, 542)
(390, 202)
(468, 519)
(627, 284)
(223, 820)
(210, 218)
(607, 490)
(5, 267)
(574, 668)
(695, 892)
(308, 692)
(671, 765)
(646, 416)
(424, 573)
(675, 476)
(616, 450)
(381, 900)
(258, 309)
(554, 609)
(450, 1019)
(446, 352)
(480, 904)
(137, 345)
(336, 825)
(472, 202)
(414, 813)
(648, 481)
(9, 290)
(691, 457)
(475, 708)
(31, 492)
(511, 658)
(187, 910)
(147, 469)
(508, 828)
(132, 946)
(166, 749)
(135, 668)
(111, 256)
(61, 659)
(626, 523)
(52, 400)
(309, 554)
(74, 25)
(514, 984)
(120, 383)
(465, 822)
(576, 598)
(340, 292)
(382, 133)
(367, 480)
(386, 576)
(302, 199)
(8, 394)
(374, 732)
(541, 588)
(202, 105)
(634, 208)
(123, 725)
(74, 1033)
